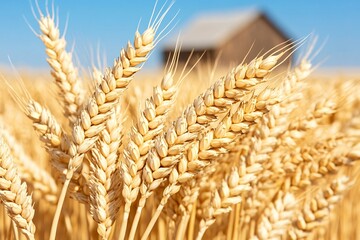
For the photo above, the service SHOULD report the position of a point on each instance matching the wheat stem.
(181, 231)
(15, 231)
(192, 221)
(124, 221)
(152, 222)
(235, 234)
(59, 206)
(135, 223)
(202, 231)
(230, 224)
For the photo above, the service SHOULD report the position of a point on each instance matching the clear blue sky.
(107, 25)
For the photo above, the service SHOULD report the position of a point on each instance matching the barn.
(226, 35)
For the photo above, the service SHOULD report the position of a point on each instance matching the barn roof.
(209, 30)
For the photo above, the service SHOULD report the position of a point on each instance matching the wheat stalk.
(186, 204)
(14, 195)
(181, 205)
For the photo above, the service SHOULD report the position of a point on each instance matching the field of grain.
(263, 151)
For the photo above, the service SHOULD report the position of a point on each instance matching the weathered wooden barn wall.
(256, 36)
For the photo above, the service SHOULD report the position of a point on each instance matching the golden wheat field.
(256, 151)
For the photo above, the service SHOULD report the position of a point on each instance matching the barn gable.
(230, 33)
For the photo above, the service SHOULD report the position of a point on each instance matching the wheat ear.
(298, 129)
(296, 132)
(318, 161)
(215, 142)
(251, 162)
(163, 145)
(272, 125)
(254, 150)
(104, 182)
(150, 125)
(57, 142)
(205, 109)
(222, 199)
(49, 130)
(181, 205)
(276, 218)
(316, 211)
(100, 106)
(277, 161)
(30, 172)
(63, 70)
(263, 138)
(93, 117)
(14, 195)
(186, 205)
